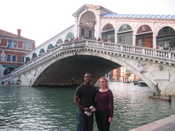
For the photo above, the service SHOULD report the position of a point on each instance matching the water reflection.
(45, 109)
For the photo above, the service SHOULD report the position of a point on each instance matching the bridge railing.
(154, 53)
(161, 54)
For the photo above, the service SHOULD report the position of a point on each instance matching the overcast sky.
(42, 19)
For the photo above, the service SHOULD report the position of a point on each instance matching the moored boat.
(140, 83)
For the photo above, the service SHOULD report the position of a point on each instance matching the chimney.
(19, 32)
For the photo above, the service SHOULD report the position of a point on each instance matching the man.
(85, 101)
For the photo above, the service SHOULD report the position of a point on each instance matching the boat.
(140, 83)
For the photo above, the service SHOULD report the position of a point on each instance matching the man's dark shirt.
(86, 94)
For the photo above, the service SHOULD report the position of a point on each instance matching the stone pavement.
(166, 124)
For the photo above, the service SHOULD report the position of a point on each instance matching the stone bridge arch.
(111, 62)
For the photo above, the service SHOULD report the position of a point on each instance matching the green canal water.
(52, 109)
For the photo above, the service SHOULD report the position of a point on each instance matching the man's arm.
(77, 99)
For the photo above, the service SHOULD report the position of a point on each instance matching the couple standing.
(89, 99)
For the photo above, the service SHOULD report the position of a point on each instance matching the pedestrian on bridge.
(85, 101)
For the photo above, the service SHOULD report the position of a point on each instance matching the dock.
(166, 124)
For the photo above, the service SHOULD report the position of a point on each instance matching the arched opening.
(41, 52)
(65, 74)
(144, 36)
(18, 82)
(27, 59)
(50, 46)
(108, 33)
(125, 35)
(87, 25)
(8, 70)
(166, 38)
(34, 55)
(69, 36)
(59, 41)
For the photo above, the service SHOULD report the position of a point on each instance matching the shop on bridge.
(166, 38)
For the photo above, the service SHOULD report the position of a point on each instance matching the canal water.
(52, 109)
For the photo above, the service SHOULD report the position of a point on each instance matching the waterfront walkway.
(166, 124)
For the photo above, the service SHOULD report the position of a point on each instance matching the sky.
(40, 20)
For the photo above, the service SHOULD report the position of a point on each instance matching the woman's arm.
(110, 106)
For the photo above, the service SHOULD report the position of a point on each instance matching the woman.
(104, 106)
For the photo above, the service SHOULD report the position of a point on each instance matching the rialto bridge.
(99, 41)
(69, 61)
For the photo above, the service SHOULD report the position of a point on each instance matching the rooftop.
(142, 16)
(8, 34)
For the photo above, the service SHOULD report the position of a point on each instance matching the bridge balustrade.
(161, 54)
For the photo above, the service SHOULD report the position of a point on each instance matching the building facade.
(121, 74)
(13, 48)
(152, 31)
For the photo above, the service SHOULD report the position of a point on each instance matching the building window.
(82, 32)
(3, 43)
(27, 59)
(14, 58)
(10, 44)
(3, 56)
(15, 44)
(21, 59)
(119, 39)
(27, 45)
(8, 58)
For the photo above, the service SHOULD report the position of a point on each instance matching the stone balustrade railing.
(140, 51)
(99, 45)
